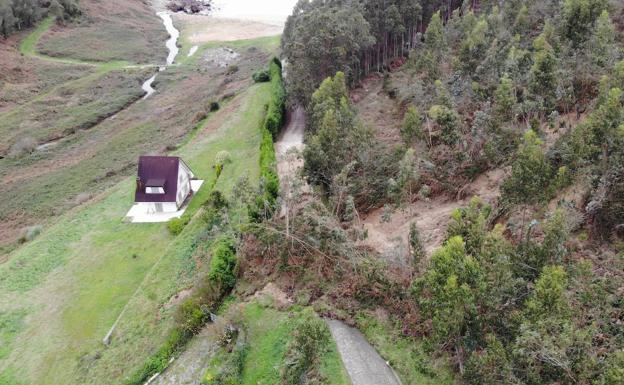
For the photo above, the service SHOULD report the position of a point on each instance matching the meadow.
(61, 292)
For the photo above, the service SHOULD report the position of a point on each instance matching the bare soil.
(207, 29)
(390, 237)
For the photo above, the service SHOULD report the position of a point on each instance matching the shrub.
(416, 246)
(231, 69)
(176, 225)
(30, 233)
(531, 174)
(265, 202)
(22, 148)
(213, 106)
(277, 103)
(223, 264)
(311, 339)
(261, 76)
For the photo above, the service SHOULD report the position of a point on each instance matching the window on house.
(154, 190)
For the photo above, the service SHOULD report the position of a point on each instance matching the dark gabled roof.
(157, 171)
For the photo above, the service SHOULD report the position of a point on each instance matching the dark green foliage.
(277, 104)
(16, 15)
(316, 52)
(341, 155)
(490, 366)
(213, 106)
(223, 264)
(448, 291)
(531, 174)
(261, 76)
(176, 225)
(543, 76)
(470, 223)
(505, 99)
(311, 339)
(412, 129)
(447, 121)
(579, 17)
(416, 246)
(266, 200)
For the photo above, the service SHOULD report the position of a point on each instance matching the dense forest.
(525, 291)
(16, 15)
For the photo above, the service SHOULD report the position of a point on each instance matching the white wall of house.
(155, 208)
(184, 183)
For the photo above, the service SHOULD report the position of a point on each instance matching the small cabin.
(163, 184)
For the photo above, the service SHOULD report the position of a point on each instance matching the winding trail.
(362, 362)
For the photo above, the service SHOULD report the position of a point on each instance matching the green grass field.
(73, 281)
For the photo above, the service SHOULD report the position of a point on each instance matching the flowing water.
(172, 46)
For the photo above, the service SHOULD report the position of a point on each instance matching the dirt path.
(364, 365)
(289, 161)
(189, 368)
(389, 237)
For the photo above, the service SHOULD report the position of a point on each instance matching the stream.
(172, 46)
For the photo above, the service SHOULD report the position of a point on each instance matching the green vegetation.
(16, 15)
(265, 202)
(408, 357)
(95, 252)
(533, 87)
(276, 343)
(194, 311)
(277, 104)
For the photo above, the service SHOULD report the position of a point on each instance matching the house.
(163, 184)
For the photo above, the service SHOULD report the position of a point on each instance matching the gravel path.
(364, 365)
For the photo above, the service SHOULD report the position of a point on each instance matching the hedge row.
(194, 312)
(277, 104)
(265, 202)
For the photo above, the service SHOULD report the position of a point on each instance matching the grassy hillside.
(89, 152)
(68, 286)
(96, 35)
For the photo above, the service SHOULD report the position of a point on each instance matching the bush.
(223, 264)
(265, 202)
(231, 69)
(30, 233)
(213, 106)
(277, 104)
(22, 148)
(311, 340)
(176, 225)
(261, 76)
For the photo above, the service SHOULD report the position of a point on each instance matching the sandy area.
(200, 29)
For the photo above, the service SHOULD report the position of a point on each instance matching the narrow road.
(289, 162)
(362, 362)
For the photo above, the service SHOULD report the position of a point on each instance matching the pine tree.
(603, 45)
(412, 128)
(416, 247)
(505, 99)
(543, 78)
(531, 173)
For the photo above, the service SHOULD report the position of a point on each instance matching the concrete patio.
(138, 215)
